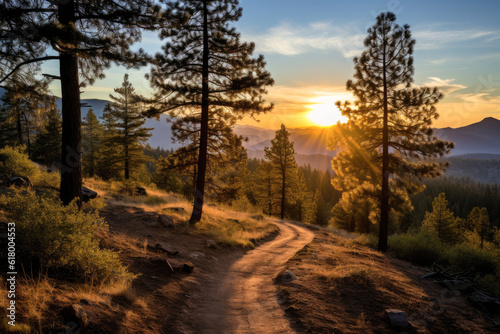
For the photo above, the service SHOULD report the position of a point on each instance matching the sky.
(309, 47)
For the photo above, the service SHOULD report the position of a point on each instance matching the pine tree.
(441, 220)
(47, 146)
(281, 155)
(129, 126)
(388, 143)
(86, 37)
(207, 73)
(92, 136)
(479, 221)
(300, 203)
(266, 188)
(320, 210)
(108, 164)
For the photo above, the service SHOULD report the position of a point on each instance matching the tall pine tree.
(206, 73)
(85, 37)
(131, 134)
(388, 143)
(281, 155)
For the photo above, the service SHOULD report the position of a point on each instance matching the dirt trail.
(243, 298)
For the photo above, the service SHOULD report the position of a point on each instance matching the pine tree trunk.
(126, 148)
(199, 191)
(71, 175)
(384, 200)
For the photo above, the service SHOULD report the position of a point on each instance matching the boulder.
(88, 194)
(234, 221)
(140, 191)
(166, 221)
(20, 181)
(75, 313)
(397, 318)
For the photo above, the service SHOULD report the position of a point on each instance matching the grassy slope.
(344, 287)
(152, 302)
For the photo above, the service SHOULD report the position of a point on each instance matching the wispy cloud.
(483, 98)
(435, 39)
(447, 86)
(288, 39)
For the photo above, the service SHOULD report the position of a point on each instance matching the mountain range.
(480, 140)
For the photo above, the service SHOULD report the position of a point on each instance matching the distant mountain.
(309, 141)
(479, 138)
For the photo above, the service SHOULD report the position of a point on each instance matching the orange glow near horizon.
(324, 112)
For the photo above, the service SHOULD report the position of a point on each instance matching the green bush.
(60, 239)
(422, 248)
(15, 163)
(467, 257)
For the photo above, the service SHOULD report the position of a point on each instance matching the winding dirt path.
(243, 299)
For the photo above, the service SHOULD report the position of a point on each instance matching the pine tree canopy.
(206, 78)
(388, 136)
(128, 123)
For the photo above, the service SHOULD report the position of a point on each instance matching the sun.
(325, 114)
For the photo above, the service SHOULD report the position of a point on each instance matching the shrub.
(15, 163)
(468, 257)
(60, 239)
(422, 248)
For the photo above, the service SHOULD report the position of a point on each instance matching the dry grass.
(344, 287)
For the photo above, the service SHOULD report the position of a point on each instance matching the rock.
(253, 241)
(196, 254)
(287, 277)
(88, 194)
(166, 221)
(234, 221)
(211, 243)
(397, 318)
(257, 217)
(75, 313)
(178, 267)
(20, 181)
(140, 191)
(165, 248)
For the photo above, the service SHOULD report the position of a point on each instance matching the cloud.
(483, 98)
(446, 86)
(432, 39)
(289, 40)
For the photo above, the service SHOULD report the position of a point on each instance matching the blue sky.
(309, 46)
